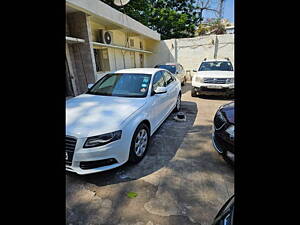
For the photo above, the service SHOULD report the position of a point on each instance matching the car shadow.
(163, 146)
(216, 97)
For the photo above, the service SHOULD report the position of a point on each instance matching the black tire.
(177, 109)
(193, 93)
(133, 157)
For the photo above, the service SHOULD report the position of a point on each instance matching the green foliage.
(172, 19)
(216, 26)
(202, 29)
(213, 26)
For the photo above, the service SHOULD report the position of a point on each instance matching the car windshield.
(122, 85)
(216, 65)
(171, 68)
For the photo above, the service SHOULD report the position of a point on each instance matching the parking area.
(181, 180)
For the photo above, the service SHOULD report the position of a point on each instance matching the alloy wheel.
(141, 142)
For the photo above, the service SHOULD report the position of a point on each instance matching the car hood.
(216, 74)
(90, 115)
(228, 110)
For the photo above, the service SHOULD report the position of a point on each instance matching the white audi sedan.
(112, 122)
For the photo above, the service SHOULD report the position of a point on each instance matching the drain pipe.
(216, 47)
(176, 53)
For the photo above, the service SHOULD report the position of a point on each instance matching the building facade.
(101, 39)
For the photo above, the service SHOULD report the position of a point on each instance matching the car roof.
(168, 63)
(139, 70)
(216, 60)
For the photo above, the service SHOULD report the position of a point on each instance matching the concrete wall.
(81, 55)
(192, 51)
(120, 59)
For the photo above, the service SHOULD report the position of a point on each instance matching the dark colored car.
(225, 215)
(175, 68)
(223, 131)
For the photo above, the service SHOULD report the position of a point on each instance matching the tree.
(205, 5)
(172, 19)
(139, 10)
(213, 26)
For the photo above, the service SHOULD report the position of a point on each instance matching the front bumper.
(214, 89)
(93, 160)
(222, 146)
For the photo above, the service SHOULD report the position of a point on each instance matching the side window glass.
(158, 80)
(168, 78)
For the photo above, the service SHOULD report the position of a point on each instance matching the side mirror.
(90, 85)
(195, 71)
(160, 90)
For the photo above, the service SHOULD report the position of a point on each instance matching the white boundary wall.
(190, 52)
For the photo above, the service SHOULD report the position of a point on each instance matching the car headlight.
(199, 79)
(229, 80)
(102, 139)
(230, 130)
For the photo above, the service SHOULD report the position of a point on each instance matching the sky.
(228, 11)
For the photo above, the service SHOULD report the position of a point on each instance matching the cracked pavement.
(181, 180)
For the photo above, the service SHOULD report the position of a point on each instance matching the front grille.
(95, 164)
(215, 80)
(70, 144)
(219, 120)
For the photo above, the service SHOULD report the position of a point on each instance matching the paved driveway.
(181, 180)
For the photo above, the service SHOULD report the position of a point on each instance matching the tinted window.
(122, 85)
(171, 68)
(216, 65)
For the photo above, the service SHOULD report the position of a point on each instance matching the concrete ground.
(181, 180)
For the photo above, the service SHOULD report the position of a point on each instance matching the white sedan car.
(113, 121)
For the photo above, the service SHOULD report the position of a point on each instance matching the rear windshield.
(171, 68)
(216, 65)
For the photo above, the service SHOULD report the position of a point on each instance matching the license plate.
(214, 87)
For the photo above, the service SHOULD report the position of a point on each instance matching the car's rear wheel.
(139, 143)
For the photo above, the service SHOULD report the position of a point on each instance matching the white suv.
(214, 77)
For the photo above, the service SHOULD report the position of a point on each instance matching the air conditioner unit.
(105, 37)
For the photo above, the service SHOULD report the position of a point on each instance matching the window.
(101, 59)
(131, 43)
(141, 60)
(122, 85)
(215, 66)
(171, 68)
(168, 78)
(141, 45)
(158, 80)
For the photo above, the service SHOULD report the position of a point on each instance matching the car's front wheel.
(178, 103)
(139, 143)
